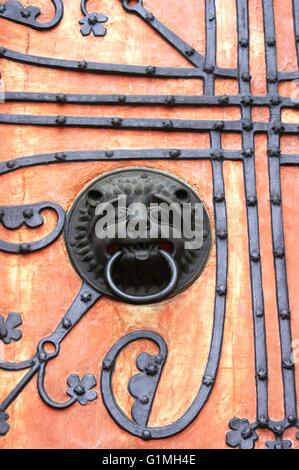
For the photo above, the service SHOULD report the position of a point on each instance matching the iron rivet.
(251, 201)
(221, 290)
(10, 164)
(149, 17)
(278, 429)
(259, 313)
(275, 100)
(262, 421)
(279, 253)
(175, 153)
(60, 120)
(151, 369)
(271, 42)
(28, 213)
(208, 68)
(2, 8)
(246, 77)
(92, 19)
(284, 313)
(255, 256)
(2, 51)
(167, 124)
(247, 125)
(61, 98)
(146, 435)
(246, 100)
(116, 122)
(26, 13)
(272, 78)
(79, 390)
(223, 99)
(144, 400)
(42, 356)
(190, 52)
(219, 126)
(274, 153)
(292, 419)
(219, 197)
(262, 374)
(107, 364)
(82, 65)
(109, 153)
(247, 432)
(170, 100)
(151, 70)
(244, 42)
(278, 128)
(208, 380)
(222, 234)
(66, 323)
(288, 363)
(60, 157)
(86, 297)
(122, 98)
(247, 153)
(276, 200)
(24, 248)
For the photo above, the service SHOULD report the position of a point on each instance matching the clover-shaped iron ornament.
(242, 435)
(92, 23)
(8, 328)
(81, 389)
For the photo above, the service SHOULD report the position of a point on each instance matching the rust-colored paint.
(43, 285)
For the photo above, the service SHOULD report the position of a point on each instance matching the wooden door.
(206, 92)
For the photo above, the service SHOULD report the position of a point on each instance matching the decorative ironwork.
(92, 22)
(142, 273)
(13, 217)
(28, 16)
(80, 390)
(243, 433)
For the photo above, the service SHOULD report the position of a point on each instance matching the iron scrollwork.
(13, 217)
(243, 433)
(13, 10)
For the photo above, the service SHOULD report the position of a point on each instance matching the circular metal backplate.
(141, 270)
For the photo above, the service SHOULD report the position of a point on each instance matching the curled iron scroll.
(13, 217)
(18, 13)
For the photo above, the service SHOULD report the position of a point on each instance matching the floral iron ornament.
(92, 22)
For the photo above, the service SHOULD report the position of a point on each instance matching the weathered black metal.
(141, 274)
(243, 434)
(79, 389)
(92, 22)
(13, 217)
(13, 10)
(141, 430)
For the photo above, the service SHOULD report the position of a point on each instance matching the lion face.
(95, 234)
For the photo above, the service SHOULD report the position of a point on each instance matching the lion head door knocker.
(149, 264)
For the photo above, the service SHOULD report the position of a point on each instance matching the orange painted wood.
(42, 285)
